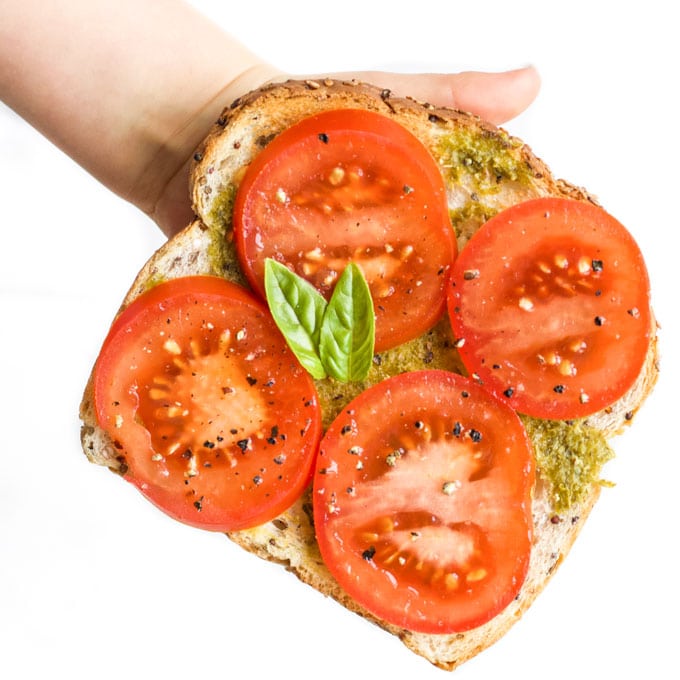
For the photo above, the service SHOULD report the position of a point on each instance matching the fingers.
(496, 97)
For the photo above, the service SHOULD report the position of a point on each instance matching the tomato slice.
(214, 419)
(422, 502)
(351, 185)
(550, 303)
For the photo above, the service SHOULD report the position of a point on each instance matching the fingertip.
(497, 96)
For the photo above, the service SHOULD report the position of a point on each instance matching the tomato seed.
(337, 174)
(566, 367)
(157, 394)
(451, 581)
(172, 347)
(476, 575)
(526, 304)
(578, 346)
(584, 265)
(561, 261)
(449, 488)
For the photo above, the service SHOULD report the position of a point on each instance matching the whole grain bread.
(492, 171)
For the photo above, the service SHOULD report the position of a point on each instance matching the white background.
(94, 582)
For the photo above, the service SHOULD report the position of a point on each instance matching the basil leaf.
(348, 329)
(298, 310)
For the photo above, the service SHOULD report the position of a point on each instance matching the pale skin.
(109, 84)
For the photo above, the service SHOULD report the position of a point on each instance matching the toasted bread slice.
(492, 171)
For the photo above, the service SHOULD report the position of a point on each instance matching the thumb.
(496, 97)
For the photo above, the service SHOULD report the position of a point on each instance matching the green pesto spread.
(222, 250)
(486, 158)
(475, 211)
(570, 456)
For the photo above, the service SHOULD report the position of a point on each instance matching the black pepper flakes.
(368, 554)
(559, 389)
(475, 435)
(597, 265)
(599, 321)
(323, 137)
(257, 480)
(251, 381)
(243, 444)
(509, 392)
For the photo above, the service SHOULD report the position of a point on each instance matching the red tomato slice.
(215, 420)
(422, 502)
(351, 185)
(550, 302)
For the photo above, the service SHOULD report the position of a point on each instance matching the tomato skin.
(351, 185)
(550, 303)
(422, 502)
(213, 418)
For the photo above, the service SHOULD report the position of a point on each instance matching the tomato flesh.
(422, 502)
(351, 185)
(549, 301)
(213, 417)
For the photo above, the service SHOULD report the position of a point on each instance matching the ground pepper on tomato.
(215, 419)
(422, 501)
(545, 321)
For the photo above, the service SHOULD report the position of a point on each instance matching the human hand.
(138, 137)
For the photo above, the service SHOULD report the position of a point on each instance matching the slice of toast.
(486, 170)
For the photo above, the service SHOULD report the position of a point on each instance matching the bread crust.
(242, 130)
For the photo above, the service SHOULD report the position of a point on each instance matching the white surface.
(94, 582)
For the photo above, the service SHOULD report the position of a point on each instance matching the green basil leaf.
(298, 310)
(348, 329)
